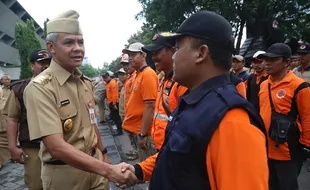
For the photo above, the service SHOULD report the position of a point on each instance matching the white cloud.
(106, 24)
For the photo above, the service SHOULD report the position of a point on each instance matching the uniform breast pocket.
(67, 114)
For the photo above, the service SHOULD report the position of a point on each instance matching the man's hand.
(121, 179)
(106, 159)
(142, 143)
(18, 155)
(125, 167)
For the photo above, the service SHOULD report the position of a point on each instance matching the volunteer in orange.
(283, 98)
(112, 97)
(210, 142)
(169, 91)
(141, 103)
(238, 82)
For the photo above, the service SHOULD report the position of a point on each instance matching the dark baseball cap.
(206, 25)
(158, 42)
(40, 55)
(304, 48)
(277, 50)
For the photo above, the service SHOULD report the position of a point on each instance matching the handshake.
(122, 175)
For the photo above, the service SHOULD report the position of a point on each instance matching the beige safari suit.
(51, 99)
(32, 166)
(4, 150)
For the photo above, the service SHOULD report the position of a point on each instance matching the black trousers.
(114, 114)
(283, 174)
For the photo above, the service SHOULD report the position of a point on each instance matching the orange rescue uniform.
(128, 88)
(234, 146)
(144, 89)
(169, 91)
(282, 93)
(112, 92)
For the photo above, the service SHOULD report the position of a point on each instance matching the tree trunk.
(240, 35)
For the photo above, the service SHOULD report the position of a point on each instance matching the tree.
(256, 15)
(89, 70)
(45, 30)
(115, 65)
(26, 42)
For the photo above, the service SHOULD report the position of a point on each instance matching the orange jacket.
(282, 93)
(169, 92)
(112, 91)
(228, 167)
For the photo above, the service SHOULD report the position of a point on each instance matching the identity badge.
(92, 116)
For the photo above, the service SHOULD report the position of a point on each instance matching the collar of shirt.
(61, 74)
(287, 78)
(300, 69)
(199, 92)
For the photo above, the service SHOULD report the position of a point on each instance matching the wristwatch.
(104, 151)
(142, 136)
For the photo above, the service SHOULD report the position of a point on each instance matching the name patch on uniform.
(64, 102)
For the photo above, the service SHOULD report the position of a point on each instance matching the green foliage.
(115, 65)
(26, 42)
(89, 70)
(257, 15)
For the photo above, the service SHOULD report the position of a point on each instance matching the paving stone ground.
(11, 175)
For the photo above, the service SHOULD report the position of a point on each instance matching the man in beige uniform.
(5, 91)
(27, 152)
(60, 112)
(4, 151)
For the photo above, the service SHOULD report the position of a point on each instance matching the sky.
(106, 24)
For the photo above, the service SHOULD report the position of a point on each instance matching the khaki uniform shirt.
(2, 103)
(304, 74)
(121, 109)
(59, 102)
(12, 107)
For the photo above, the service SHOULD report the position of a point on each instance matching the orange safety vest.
(166, 102)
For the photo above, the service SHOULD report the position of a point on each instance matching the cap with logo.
(206, 25)
(121, 71)
(135, 47)
(277, 50)
(66, 22)
(304, 48)
(158, 42)
(125, 58)
(40, 55)
(238, 57)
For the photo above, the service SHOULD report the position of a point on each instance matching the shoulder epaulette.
(85, 77)
(43, 79)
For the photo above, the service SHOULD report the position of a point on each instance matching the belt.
(92, 152)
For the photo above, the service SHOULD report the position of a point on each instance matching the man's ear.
(287, 62)
(203, 53)
(51, 47)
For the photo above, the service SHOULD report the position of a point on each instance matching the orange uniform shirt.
(128, 88)
(236, 156)
(241, 89)
(161, 118)
(282, 93)
(112, 91)
(144, 88)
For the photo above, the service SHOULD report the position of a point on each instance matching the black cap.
(277, 50)
(158, 42)
(304, 48)
(40, 55)
(206, 25)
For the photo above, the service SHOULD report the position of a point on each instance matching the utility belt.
(92, 152)
(30, 144)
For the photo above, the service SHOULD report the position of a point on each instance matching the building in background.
(11, 12)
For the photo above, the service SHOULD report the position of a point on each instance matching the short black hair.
(220, 56)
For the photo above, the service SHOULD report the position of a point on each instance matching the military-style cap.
(206, 25)
(304, 48)
(135, 47)
(158, 42)
(66, 22)
(277, 50)
(40, 55)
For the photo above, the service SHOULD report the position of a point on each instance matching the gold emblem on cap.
(303, 47)
(168, 34)
(68, 125)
